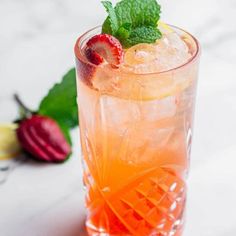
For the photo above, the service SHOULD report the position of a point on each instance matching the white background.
(36, 49)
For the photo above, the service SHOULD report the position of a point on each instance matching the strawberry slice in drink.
(101, 49)
(93, 56)
(104, 46)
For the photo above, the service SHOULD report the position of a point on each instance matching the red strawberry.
(42, 137)
(93, 56)
(107, 47)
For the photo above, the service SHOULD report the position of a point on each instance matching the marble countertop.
(36, 49)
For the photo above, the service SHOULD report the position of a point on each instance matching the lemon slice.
(140, 54)
(166, 27)
(9, 145)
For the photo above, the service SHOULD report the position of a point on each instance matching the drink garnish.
(93, 56)
(133, 21)
(104, 46)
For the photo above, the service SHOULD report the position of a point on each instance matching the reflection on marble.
(36, 48)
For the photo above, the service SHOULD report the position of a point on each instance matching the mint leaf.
(124, 31)
(143, 35)
(106, 27)
(136, 19)
(138, 12)
(60, 103)
(113, 21)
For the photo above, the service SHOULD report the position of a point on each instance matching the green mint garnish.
(133, 21)
(113, 21)
(60, 103)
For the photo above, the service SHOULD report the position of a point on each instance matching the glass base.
(94, 232)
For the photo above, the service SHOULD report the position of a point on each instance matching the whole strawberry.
(41, 136)
(43, 139)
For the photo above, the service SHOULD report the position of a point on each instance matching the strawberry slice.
(104, 46)
(93, 56)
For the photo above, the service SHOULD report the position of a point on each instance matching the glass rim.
(80, 56)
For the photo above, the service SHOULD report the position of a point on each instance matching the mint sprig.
(113, 21)
(133, 21)
(60, 103)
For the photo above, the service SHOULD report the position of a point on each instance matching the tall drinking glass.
(136, 133)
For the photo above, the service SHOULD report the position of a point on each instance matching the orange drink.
(136, 132)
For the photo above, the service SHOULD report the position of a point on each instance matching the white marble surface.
(36, 48)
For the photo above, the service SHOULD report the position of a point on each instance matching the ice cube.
(167, 53)
(155, 110)
(140, 54)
